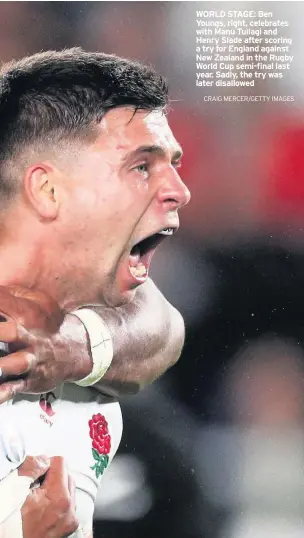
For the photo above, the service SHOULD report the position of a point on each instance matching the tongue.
(134, 257)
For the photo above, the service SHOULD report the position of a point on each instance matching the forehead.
(123, 130)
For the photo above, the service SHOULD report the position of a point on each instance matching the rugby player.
(90, 188)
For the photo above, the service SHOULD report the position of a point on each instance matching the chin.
(120, 297)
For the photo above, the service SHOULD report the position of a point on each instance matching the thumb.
(57, 479)
(34, 467)
(44, 301)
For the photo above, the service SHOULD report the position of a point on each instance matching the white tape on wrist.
(100, 342)
(14, 490)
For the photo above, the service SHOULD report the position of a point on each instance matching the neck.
(26, 259)
(17, 266)
(33, 257)
(32, 268)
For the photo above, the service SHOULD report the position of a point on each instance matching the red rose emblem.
(101, 443)
(99, 434)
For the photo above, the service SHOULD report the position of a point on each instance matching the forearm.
(148, 336)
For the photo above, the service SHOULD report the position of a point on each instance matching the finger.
(57, 481)
(34, 467)
(44, 301)
(10, 305)
(26, 311)
(18, 363)
(8, 331)
(12, 332)
(9, 389)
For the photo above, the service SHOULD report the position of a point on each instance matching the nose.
(173, 192)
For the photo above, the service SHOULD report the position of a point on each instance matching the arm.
(148, 336)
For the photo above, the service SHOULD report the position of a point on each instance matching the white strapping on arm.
(100, 342)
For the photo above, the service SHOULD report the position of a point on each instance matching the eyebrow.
(153, 149)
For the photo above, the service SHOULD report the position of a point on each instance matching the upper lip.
(174, 226)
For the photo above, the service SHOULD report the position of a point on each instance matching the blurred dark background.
(215, 449)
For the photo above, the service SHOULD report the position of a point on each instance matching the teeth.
(167, 231)
(139, 270)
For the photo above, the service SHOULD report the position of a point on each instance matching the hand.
(49, 510)
(41, 351)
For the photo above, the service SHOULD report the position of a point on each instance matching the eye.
(142, 168)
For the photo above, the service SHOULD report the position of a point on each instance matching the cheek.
(77, 219)
(84, 199)
(85, 206)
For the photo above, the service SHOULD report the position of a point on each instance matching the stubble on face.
(110, 203)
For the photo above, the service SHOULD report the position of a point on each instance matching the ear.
(40, 190)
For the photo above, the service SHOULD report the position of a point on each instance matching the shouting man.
(89, 189)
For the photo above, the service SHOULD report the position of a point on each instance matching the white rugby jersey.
(77, 423)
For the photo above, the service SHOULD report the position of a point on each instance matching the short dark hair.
(64, 94)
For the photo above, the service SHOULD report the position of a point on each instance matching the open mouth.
(141, 253)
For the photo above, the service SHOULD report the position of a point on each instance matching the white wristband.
(101, 345)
